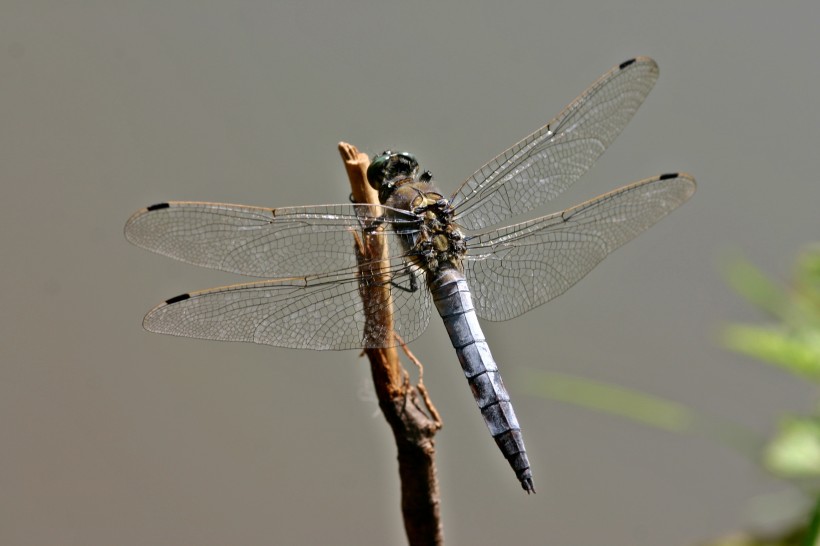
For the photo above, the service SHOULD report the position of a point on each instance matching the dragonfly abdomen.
(454, 303)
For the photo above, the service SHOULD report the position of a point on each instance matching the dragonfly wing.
(545, 163)
(316, 312)
(516, 268)
(261, 242)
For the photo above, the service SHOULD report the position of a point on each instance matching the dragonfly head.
(390, 167)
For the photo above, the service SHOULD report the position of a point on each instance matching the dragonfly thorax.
(435, 241)
(438, 242)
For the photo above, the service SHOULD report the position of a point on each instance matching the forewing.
(316, 312)
(261, 242)
(545, 163)
(516, 268)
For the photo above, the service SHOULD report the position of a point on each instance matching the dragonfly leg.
(373, 225)
(413, 281)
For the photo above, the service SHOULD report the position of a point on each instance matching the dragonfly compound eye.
(391, 166)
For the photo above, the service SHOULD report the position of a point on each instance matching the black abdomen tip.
(176, 299)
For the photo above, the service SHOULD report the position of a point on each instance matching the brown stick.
(402, 404)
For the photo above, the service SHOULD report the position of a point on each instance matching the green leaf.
(795, 452)
(807, 278)
(608, 399)
(637, 407)
(808, 266)
(812, 536)
(754, 286)
(798, 352)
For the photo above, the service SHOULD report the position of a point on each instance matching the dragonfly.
(454, 254)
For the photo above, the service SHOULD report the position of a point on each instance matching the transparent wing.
(261, 242)
(315, 312)
(545, 163)
(516, 268)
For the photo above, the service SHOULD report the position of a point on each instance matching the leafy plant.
(789, 341)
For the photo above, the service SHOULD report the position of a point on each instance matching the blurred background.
(111, 435)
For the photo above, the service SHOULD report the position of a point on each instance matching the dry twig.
(413, 428)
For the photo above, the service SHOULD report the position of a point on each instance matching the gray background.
(111, 435)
